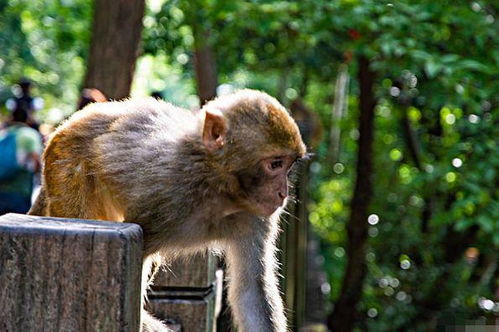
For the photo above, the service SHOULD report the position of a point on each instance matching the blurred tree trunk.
(339, 107)
(282, 85)
(345, 312)
(205, 65)
(116, 33)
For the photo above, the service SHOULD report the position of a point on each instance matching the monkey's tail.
(39, 208)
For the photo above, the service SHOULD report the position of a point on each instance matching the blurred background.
(398, 209)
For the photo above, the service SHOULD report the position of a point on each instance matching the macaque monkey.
(194, 180)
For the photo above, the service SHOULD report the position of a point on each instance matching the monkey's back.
(112, 144)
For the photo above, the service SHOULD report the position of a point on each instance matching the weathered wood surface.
(188, 293)
(317, 285)
(69, 275)
(293, 243)
(196, 271)
(193, 310)
(174, 327)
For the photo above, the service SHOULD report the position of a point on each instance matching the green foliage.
(47, 42)
(432, 67)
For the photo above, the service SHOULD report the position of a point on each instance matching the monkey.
(216, 178)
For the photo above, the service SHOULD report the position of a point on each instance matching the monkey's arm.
(253, 286)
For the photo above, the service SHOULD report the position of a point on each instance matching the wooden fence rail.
(188, 293)
(81, 275)
(69, 275)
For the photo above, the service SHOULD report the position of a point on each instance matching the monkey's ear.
(214, 131)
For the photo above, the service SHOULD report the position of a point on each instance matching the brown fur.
(192, 180)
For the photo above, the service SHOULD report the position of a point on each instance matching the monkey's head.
(252, 143)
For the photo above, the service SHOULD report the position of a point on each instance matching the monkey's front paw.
(152, 324)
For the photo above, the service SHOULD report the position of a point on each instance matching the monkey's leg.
(39, 208)
(253, 288)
(151, 324)
(72, 197)
(72, 190)
(150, 267)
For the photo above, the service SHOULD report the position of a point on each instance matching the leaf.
(473, 65)
(486, 224)
(448, 58)
(432, 68)
(463, 224)
(421, 55)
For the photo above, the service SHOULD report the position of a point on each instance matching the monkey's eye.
(276, 164)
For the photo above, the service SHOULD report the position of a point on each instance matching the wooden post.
(115, 46)
(197, 271)
(293, 245)
(188, 293)
(69, 275)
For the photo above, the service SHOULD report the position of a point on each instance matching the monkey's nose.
(282, 195)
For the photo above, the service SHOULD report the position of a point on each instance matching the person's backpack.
(8, 156)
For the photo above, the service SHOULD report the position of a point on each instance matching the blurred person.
(24, 101)
(20, 150)
(89, 96)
